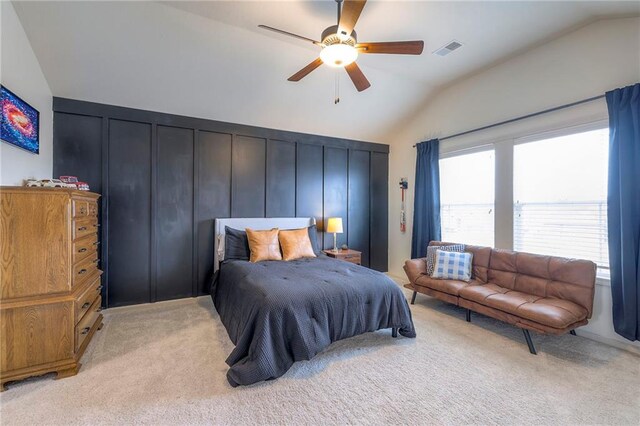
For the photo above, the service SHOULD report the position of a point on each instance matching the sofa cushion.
(548, 311)
(415, 268)
(503, 260)
(556, 313)
(502, 298)
(504, 279)
(482, 292)
(573, 280)
(515, 319)
(481, 256)
(452, 287)
(535, 265)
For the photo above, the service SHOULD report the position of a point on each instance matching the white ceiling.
(209, 59)
(489, 30)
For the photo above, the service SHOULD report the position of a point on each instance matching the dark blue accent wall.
(165, 178)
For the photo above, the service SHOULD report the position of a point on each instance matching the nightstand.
(349, 255)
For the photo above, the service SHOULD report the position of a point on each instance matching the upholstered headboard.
(258, 223)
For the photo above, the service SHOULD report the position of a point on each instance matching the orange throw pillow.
(263, 245)
(296, 244)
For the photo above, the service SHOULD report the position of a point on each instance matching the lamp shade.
(334, 224)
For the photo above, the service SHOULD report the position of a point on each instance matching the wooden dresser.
(49, 280)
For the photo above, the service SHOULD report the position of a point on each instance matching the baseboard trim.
(629, 347)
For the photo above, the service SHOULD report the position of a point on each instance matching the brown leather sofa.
(549, 295)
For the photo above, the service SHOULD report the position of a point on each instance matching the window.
(467, 198)
(560, 196)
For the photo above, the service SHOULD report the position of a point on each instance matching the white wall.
(20, 72)
(587, 62)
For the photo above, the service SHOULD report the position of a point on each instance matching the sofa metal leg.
(573, 332)
(413, 297)
(468, 315)
(527, 337)
(394, 332)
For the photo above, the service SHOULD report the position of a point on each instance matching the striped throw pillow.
(452, 265)
(431, 254)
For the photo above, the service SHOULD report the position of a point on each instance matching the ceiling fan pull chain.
(337, 98)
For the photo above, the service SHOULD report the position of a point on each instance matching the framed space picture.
(20, 122)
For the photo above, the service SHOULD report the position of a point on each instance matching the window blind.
(567, 229)
(468, 223)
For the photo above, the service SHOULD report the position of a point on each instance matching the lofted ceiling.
(489, 30)
(209, 59)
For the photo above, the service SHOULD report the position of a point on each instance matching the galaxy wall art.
(20, 122)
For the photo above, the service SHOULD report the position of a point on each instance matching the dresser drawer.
(93, 209)
(83, 227)
(350, 256)
(352, 259)
(86, 298)
(84, 269)
(84, 247)
(80, 208)
(87, 322)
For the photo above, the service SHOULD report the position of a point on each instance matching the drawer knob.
(82, 271)
(86, 305)
(85, 330)
(82, 250)
(82, 228)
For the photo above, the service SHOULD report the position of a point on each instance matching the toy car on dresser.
(75, 183)
(48, 183)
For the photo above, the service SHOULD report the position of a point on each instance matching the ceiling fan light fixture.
(338, 55)
(340, 47)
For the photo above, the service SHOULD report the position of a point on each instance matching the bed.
(277, 312)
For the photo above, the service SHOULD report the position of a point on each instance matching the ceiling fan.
(340, 47)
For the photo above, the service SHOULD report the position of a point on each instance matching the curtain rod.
(535, 114)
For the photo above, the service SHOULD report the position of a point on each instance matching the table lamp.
(334, 224)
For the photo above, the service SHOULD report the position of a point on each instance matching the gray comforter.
(277, 313)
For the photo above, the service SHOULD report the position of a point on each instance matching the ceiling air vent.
(448, 48)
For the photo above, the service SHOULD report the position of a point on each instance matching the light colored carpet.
(164, 364)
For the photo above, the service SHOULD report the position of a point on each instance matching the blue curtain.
(624, 208)
(426, 207)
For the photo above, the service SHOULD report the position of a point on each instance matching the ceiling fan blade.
(306, 70)
(290, 34)
(358, 78)
(395, 47)
(351, 10)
